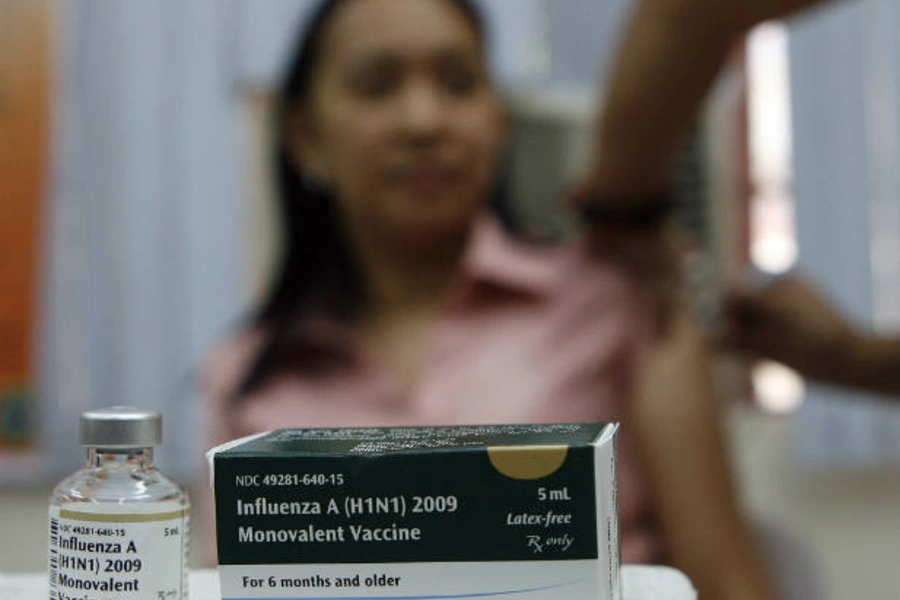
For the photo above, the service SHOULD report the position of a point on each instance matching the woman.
(404, 298)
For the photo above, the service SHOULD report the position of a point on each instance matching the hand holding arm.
(792, 323)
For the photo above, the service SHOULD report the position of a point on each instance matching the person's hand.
(789, 322)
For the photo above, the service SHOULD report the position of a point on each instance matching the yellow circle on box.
(527, 462)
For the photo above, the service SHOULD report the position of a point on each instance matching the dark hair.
(317, 277)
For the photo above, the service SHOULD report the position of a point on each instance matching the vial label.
(105, 553)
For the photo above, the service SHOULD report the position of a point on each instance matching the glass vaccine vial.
(118, 528)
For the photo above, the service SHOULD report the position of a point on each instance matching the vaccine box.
(518, 512)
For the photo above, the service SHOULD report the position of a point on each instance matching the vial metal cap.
(121, 427)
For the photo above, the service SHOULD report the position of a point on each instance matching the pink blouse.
(532, 334)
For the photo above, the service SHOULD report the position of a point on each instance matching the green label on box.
(290, 499)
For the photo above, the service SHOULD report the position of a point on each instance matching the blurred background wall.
(155, 234)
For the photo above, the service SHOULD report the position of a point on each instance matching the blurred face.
(403, 123)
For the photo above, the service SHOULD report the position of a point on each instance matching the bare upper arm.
(743, 13)
(678, 429)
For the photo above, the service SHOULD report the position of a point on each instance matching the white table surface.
(639, 583)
